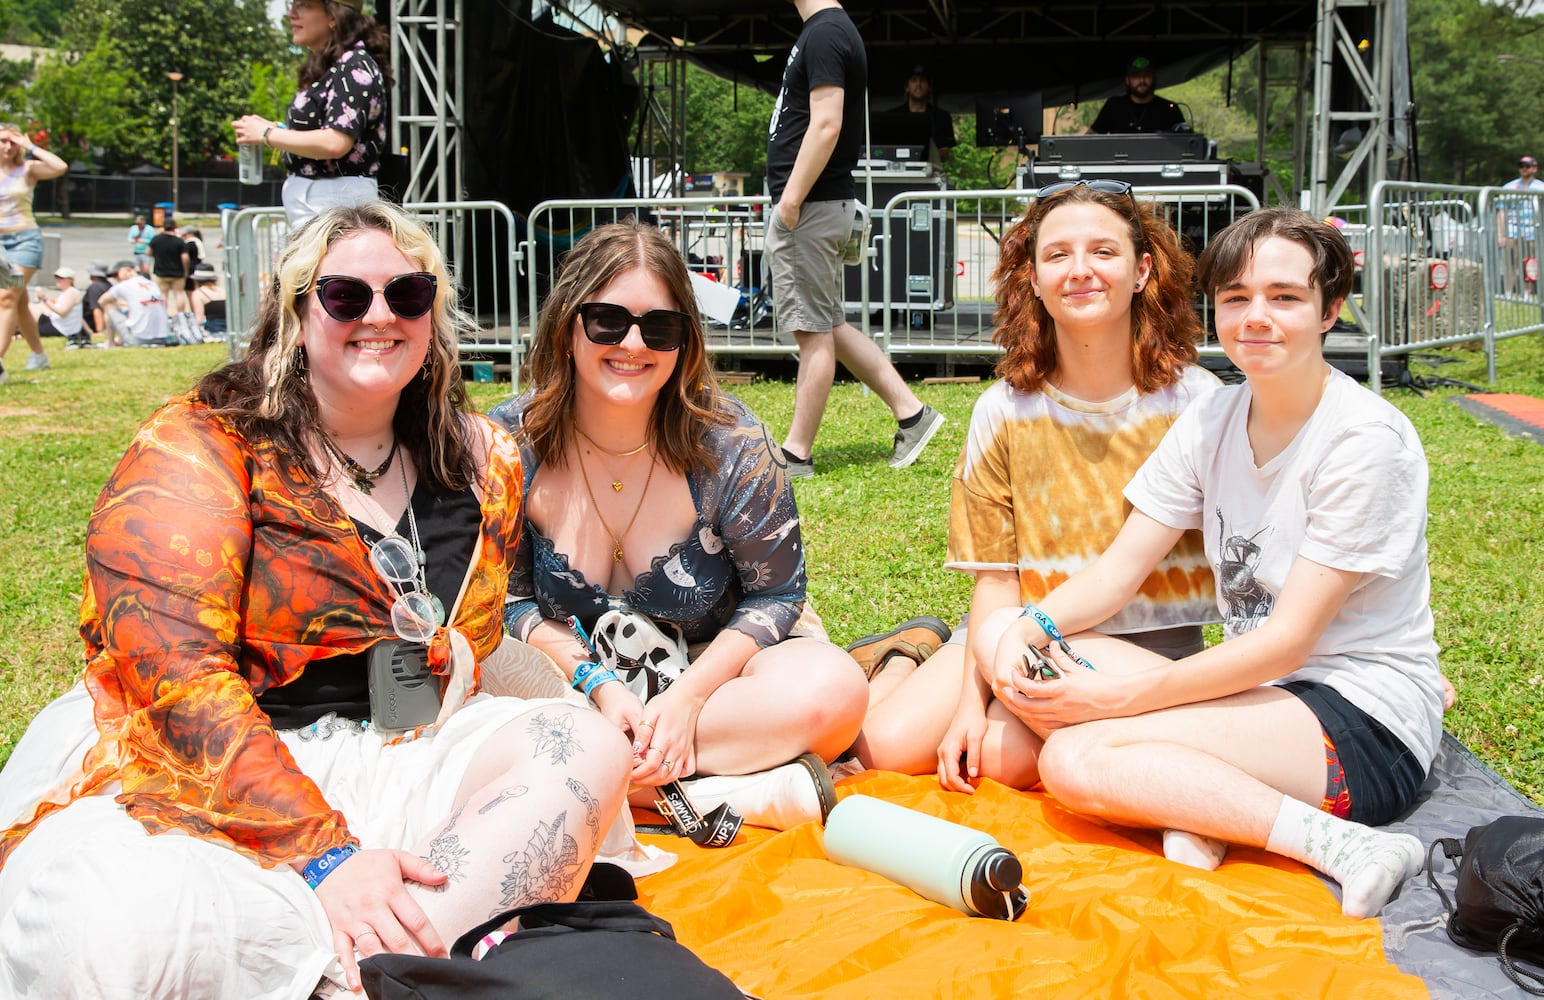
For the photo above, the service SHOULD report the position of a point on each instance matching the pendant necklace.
(616, 482)
(616, 539)
(418, 551)
(364, 479)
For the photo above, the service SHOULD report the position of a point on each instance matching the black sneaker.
(799, 468)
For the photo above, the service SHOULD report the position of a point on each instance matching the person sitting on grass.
(657, 503)
(1094, 313)
(1318, 716)
(255, 807)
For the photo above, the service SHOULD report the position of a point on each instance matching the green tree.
(726, 126)
(211, 43)
(80, 99)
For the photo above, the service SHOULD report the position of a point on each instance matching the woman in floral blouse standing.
(335, 129)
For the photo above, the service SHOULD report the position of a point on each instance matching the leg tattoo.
(543, 871)
(591, 809)
(554, 737)
(502, 797)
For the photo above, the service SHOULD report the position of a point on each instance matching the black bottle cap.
(997, 872)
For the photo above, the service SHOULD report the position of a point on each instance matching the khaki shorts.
(806, 266)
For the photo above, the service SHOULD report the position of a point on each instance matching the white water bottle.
(249, 161)
(942, 861)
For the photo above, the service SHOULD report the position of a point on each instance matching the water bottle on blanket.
(942, 861)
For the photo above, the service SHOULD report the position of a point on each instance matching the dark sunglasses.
(347, 299)
(1105, 185)
(607, 324)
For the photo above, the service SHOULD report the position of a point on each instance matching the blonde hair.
(268, 392)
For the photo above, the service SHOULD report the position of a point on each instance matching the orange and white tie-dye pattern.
(1038, 490)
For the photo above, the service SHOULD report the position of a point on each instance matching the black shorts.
(1382, 775)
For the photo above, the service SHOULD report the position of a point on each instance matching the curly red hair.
(1164, 326)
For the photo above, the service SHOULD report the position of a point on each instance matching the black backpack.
(1500, 893)
(600, 947)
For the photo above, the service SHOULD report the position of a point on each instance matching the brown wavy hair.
(1164, 326)
(689, 403)
(267, 393)
(350, 26)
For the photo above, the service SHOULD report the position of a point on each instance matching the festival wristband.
(319, 868)
(580, 634)
(583, 672)
(596, 679)
(1044, 621)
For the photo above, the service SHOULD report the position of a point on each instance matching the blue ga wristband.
(318, 869)
(582, 672)
(1053, 633)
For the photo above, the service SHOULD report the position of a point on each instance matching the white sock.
(1369, 864)
(1192, 849)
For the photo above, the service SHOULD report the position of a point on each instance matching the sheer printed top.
(742, 566)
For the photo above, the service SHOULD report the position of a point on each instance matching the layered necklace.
(616, 481)
(364, 479)
(616, 486)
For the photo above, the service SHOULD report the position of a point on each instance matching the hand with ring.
(663, 749)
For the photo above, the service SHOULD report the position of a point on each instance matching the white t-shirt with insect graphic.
(1349, 492)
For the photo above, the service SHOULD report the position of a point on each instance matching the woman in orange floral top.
(236, 825)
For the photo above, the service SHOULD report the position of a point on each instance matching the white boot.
(780, 799)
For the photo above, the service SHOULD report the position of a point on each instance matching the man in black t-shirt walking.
(812, 148)
(1140, 110)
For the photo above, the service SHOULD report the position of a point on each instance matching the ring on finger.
(366, 931)
(646, 722)
(669, 764)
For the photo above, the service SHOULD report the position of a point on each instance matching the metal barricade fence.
(936, 251)
(479, 241)
(721, 239)
(1432, 272)
(1514, 245)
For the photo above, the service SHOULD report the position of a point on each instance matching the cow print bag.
(647, 655)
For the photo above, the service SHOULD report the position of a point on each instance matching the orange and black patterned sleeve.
(170, 569)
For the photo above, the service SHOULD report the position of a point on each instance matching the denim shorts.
(24, 247)
(1382, 775)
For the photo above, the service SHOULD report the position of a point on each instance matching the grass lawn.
(875, 537)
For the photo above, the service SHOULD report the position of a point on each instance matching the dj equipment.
(891, 159)
(1142, 147)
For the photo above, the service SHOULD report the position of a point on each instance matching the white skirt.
(93, 906)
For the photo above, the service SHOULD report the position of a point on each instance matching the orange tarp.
(1107, 917)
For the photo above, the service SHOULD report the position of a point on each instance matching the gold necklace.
(616, 539)
(616, 481)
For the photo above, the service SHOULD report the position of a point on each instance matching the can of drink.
(250, 163)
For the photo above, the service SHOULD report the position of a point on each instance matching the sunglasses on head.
(607, 324)
(1105, 185)
(347, 299)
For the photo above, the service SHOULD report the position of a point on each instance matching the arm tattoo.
(554, 737)
(591, 808)
(502, 797)
(543, 871)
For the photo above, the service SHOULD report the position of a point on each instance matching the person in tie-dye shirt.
(334, 132)
(1095, 318)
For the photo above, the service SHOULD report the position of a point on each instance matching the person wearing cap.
(334, 132)
(60, 315)
(1515, 223)
(919, 101)
(1139, 109)
(134, 308)
(91, 305)
(208, 299)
